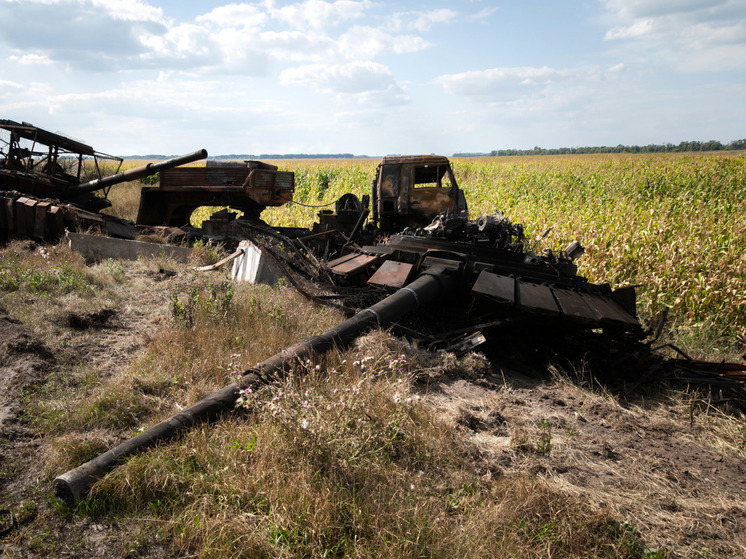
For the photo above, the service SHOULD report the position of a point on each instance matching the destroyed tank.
(46, 187)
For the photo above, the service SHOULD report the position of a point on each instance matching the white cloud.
(235, 15)
(365, 43)
(637, 29)
(355, 77)
(127, 10)
(502, 84)
(691, 35)
(8, 89)
(634, 9)
(536, 94)
(184, 41)
(97, 35)
(483, 14)
(114, 35)
(365, 83)
(420, 21)
(31, 59)
(317, 14)
(298, 46)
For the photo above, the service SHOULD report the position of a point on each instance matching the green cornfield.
(673, 224)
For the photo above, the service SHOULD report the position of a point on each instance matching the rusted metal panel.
(25, 216)
(270, 188)
(40, 221)
(10, 213)
(417, 159)
(249, 189)
(341, 259)
(354, 265)
(608, 311)
(535, 298)
(392, 274)
(55, 223)
(497, 287)
(620, 314)
(220, 178)
(573, 306)
(33, 133)
(428, 201)
(6, 218)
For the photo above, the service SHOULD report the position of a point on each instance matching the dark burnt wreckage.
(50, 183)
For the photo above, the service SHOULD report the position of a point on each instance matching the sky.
(374, 77)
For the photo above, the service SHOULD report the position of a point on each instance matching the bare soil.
(108, 341)
(660, 468)
(653, 470)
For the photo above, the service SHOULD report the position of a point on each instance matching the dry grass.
(344, 458)
(125, 199)
(378, 451)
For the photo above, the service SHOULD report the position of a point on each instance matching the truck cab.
(411, 190)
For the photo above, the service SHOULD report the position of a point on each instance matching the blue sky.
(374, 77)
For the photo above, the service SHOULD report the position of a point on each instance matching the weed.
(26, 511)
(42, 543)
(544, 444)
(204, 254)
(213, 302)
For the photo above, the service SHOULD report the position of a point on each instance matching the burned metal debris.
(48, 184)
(434, 257)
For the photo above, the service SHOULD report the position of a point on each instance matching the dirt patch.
(105, 341)
(24, 362)
(659, 474)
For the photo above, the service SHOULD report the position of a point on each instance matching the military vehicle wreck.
(50, 183)
(406, 257)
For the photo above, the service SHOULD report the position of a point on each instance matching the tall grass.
(670, 223)
(343, 458)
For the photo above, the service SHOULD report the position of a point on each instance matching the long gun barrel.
(138, 172)
(429, 286)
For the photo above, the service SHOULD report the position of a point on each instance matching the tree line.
(712, 145)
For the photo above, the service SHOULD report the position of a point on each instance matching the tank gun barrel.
(138, 172)
(427, 288)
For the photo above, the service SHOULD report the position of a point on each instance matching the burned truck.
(415, 213)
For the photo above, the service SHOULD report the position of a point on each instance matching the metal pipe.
(430, 285)
(138, 172)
